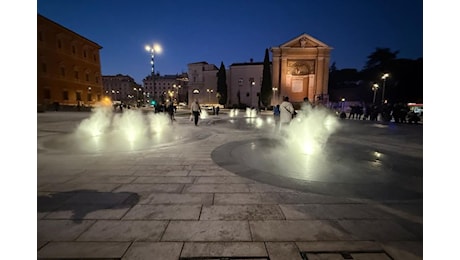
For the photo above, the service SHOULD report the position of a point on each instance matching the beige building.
(300, 68)
(123, 88)
(167, 88)
(68, 67)
(202, 83)
(244, 81)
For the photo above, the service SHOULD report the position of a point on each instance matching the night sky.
(235, 31)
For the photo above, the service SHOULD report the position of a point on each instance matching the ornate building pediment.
(304, 41)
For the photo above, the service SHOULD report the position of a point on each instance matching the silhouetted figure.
(170, 110)
(196, 111)
(217, 110)
(276, 115)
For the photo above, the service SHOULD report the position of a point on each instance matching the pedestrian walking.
(276, 115)
(170, 110)
(287, 112)
(196, 111)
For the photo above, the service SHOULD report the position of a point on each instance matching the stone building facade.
(300, 68)
(123, 88)
(167, 88)
(202, 83)
(68, 67)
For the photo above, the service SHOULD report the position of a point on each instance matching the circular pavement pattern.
(363, 160)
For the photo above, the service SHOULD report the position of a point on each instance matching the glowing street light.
(274, 89)
(384, 77)
(152, 49)
(375, 87)
(209, 94)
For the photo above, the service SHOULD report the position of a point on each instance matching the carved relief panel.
(300, 67)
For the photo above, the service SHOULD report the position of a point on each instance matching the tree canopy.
(222, 85)
(266, 91)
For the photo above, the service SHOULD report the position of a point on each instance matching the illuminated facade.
(300, 68)
(68, 67)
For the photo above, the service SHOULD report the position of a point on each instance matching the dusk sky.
(235, 31)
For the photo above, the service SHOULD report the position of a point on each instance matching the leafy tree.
(222, 85)
(266, 91)
(380, 59)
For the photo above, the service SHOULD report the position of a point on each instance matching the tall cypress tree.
(266, 91)
(222, 85)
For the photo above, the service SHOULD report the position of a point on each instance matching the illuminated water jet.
(130, 130)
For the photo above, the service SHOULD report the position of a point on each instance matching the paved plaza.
(212, 192)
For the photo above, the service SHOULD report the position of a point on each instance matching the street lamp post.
(152, 49)
(209, 94)
(375, 87)
(137, 96)
(253, 83)
(274, 93)
(384, 77)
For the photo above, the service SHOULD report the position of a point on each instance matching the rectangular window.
(89, 97)
(97, 79)
(78, 95)
(87, 77)
(94, 57)
(84, 53)
(65, 95)
(59, 44)
(73, 49)
(76, 74)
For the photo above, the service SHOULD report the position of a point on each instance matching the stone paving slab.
(82, 250)
(138, 187)
(216, 188)
(154, 251)
(407, 250)
(61, 230)
(125, 230)
(78, 212)
(164, 212)
(331, 211)
(247, 198)
(283, 251)
(69, 187)
(224, 249)
(207, 231)
(165, 173)
(241, 212)
(333, 246)
(89, 177)
(164, 179)
(302, 230)
(178, 198)
(381, 230)
(224, 179)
